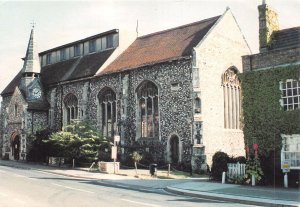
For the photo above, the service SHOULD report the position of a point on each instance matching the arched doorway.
(15, 145)
(174, 149)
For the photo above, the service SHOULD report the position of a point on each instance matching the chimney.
(268, 23)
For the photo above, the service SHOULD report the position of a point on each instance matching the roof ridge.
(284, 30)
(179, 27)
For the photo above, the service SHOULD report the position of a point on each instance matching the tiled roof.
(10, 88)
(161, 46)
(286, 38)
(54, 73)
(76, 68)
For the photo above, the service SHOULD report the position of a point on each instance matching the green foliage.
(136, 157)
(264, 118)
(79, 140)
(253, 168)
(219, 165)
(38, 149)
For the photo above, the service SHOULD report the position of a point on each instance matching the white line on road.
(17, 175)
(86, 191)
(3, 194)
(140, 203)
(19, 201)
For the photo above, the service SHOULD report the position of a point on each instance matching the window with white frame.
(108, 103)
(291, 150)
(232, 103)
(290, 94)
(147, 95)
(71, 107)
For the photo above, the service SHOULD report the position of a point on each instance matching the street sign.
(116, 138)
(285, 166)
(114, 152)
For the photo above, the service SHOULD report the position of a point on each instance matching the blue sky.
(61, 22)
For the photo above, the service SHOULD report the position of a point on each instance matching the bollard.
(253, 180)
(223, 177)
(169, 169)
(286, 185)
(73, 163)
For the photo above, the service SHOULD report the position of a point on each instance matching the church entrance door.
(174, 149)
(16, 146)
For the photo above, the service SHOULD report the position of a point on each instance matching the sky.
(61, 22)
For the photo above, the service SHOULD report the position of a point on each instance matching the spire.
(31, 60)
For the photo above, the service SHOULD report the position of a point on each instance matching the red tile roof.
(161, 46)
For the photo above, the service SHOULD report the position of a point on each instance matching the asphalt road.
(31, 188)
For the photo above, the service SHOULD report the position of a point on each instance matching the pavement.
(199, 187)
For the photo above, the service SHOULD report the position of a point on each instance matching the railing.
(235, 170)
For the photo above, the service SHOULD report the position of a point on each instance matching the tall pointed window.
(232, 95)
(147, 95)
(71, 107)
(108, 103)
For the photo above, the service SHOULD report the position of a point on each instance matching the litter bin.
(153, 169)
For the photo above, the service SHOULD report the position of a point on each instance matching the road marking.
(140, 203)
(2, 171)
(17, 175)
(19, 201)
(3, 194)
(78, 189)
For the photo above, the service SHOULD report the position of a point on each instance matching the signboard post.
(285, 169)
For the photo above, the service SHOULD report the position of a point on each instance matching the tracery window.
(108, 104)
(71, 107)
(232, 95)
(147, 95)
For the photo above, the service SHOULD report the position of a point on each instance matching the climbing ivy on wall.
(264, 118)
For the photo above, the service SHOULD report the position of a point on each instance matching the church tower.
(268, 23)
(30, 84)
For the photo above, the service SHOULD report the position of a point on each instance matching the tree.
(80, 140)
(136, 157)
(38, 149)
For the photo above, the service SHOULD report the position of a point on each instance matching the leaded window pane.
(231, 95)
(71, 106)
(148, 109)
(108, 103)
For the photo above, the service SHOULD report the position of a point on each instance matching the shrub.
(253, 168)
(219, 165)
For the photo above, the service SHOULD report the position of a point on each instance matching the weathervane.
(33, 24)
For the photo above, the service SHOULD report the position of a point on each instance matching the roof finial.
(137, 28)
(264, 2)
(33, 24)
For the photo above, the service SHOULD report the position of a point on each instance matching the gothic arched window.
(71, 107)
(147, 95)
(232, 95)
(108, 104)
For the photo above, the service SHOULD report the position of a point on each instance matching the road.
(31, 188)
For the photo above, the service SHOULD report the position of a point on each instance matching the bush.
(38, 149)
(219, 165)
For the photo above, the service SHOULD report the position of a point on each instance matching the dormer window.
(92, 46)
(109, 41)
(48, 59)
(62, 54)
(77, 50)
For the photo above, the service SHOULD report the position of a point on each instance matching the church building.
(174, 93)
